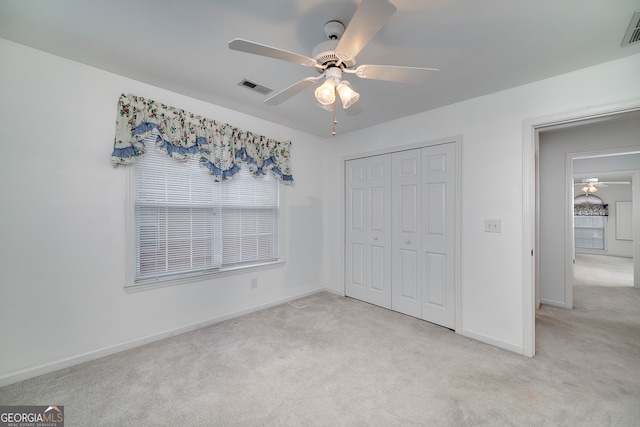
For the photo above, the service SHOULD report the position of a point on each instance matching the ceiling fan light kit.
(348, 96)
(337, 55)
(326, 93)
(589, 189)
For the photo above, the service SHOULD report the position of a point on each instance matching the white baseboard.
(108, 351)
(335, 291)
(491, 340)
(553, 303)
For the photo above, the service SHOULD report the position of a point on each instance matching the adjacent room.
(588, 172)
(310, 212)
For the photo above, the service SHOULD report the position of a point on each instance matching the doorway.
(532, 203)
(560, 148)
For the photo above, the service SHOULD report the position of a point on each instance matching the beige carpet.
(603, 270)
(327, 360)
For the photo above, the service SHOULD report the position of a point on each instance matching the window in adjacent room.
(185, 224)
(590, 216)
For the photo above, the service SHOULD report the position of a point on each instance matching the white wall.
(611, 195)
(62, 246)
(554, 147)
(492, 183)
(606, 164)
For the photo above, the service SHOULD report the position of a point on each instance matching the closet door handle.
(375, 237)
(407, 241)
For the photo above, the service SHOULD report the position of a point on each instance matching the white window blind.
(589, 232)
(186, 223)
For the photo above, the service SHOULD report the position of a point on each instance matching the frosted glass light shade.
(348, 96)
(326, 94)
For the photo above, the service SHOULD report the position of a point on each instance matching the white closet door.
(368, 229)
(378, 248)
(438, 239)
(406, 240)
(355, 228)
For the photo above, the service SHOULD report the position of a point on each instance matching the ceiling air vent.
(255, 87)
(633, 33)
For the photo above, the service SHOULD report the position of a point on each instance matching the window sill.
(149, 284)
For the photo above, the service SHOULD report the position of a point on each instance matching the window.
(589, 232)
(186, 224)
(590, 213)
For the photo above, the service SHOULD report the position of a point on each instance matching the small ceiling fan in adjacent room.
(591, 185)
(336, 57)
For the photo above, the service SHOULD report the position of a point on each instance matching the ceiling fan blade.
(601, 183)
(247, 46)
(292, 90)
(395, 73)
(355, 109)
(369, 18)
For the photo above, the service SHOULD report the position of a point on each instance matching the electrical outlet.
(492, 225)
(254, 282)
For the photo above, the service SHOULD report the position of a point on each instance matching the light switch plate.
(492, 225)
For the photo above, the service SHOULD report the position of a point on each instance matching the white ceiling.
(479, 46)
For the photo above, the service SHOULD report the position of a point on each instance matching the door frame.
(457, 141)
(530, 202)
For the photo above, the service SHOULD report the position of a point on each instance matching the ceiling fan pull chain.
(335, 120)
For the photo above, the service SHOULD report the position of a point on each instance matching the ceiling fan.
(336, 57)
(590, 185)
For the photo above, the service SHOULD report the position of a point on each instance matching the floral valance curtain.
(590, 209)
(180, 135)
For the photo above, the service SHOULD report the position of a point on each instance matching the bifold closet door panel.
(406, 231)
(368, 229)
(438, 234)
(378, 216)
(355, 228)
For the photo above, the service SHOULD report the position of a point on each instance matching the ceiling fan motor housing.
(325, 52)
(333, 30)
